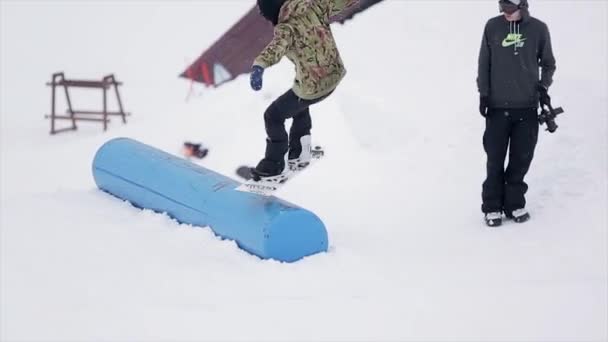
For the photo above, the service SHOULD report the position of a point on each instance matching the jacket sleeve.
(546, 58)
(276, 49)
(484, 64)
(337, 6)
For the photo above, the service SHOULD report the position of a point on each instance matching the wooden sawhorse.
(108, 81)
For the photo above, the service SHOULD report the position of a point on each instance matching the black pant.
(504, 190)
(288, 105)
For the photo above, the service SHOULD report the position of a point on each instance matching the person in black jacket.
(514, 47)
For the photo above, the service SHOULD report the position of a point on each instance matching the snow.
(399, 188)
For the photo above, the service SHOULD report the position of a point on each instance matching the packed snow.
(399, 188)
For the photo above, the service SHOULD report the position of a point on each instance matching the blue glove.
(256, 77)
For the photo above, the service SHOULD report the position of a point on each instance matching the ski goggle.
(509, 7)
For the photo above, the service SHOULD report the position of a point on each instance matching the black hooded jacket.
(510, 57)
(270, 9)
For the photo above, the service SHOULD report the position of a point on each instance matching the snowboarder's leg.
(273, 162)
(495, 143)
(299, 135)
(275, 116)
(277, 143)
(524, 136)
(300, 127)
(286, 106)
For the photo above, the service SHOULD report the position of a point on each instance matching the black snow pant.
(517, 130)
(288, 105)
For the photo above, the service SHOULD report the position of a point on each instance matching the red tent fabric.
(233, 53)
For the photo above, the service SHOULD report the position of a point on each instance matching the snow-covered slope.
(399, 190)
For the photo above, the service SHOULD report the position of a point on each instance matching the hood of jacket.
(277, 11)
(270, 9)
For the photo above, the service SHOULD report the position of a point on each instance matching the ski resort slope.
(399, 189)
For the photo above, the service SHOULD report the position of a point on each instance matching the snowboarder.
(514, 47)
(302, 34)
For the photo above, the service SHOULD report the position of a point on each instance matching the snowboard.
(267, 186)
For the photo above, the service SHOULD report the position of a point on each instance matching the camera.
(547, 116)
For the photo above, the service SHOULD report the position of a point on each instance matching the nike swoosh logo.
(507, 43)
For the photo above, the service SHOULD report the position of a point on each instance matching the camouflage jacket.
(304, 36)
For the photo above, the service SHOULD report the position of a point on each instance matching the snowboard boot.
(493, 219)
(299, 153)
(518, 215)
(268, 168)
(273, 163)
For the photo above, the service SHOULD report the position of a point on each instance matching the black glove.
(544, 98)
(483, 106)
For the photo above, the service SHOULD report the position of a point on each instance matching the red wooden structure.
(233, 53)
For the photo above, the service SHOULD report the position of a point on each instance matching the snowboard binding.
(297, 164)
(267, 185)
(279, 179)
